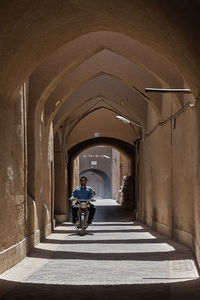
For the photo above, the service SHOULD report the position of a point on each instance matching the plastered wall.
(170, 179)
(12, 179)
(24, 220)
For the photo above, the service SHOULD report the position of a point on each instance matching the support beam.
(156, 90)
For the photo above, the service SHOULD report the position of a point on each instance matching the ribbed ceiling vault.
(101, 71)
(96, 77)
(36, 31)
(108, 63)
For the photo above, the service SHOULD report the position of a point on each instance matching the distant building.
(96, 164)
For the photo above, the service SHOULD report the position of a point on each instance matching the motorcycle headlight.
(83, 205)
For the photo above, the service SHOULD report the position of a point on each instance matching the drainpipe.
(172, 192)
(138, 208)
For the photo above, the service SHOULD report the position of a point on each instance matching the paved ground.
(117, 258)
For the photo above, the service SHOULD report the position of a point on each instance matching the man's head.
(83, 181)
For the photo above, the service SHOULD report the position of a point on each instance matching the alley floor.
(117, 258)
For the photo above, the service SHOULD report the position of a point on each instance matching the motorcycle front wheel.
(82, 224)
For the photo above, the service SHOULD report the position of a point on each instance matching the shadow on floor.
(152, 256)
(189, 290)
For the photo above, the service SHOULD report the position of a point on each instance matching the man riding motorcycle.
(82, 192)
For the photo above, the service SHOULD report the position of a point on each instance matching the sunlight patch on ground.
(111, 253)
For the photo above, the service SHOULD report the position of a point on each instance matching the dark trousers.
(91, 210)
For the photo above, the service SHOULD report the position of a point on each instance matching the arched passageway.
(116, 167)
(105, 190)
(68, 70)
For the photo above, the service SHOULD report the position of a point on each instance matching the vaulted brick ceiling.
(93, 60)
(78, 89)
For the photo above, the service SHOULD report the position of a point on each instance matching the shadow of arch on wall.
(107, 191)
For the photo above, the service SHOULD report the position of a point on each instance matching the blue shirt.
(81, 193)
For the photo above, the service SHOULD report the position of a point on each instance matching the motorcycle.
(83, 206)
